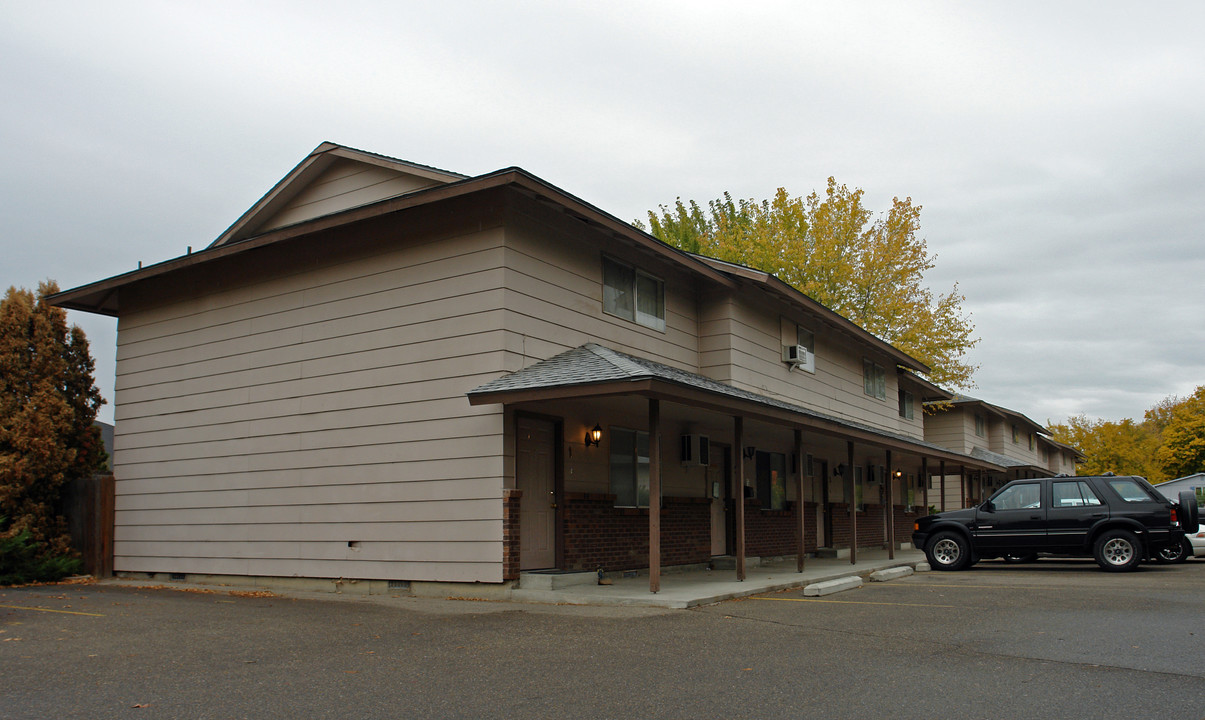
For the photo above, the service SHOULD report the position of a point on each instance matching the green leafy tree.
(1183, 449)
(48, 402)
(832, 249)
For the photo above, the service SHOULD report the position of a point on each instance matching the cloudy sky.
(1056, 147)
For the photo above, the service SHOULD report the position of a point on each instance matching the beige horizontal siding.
(309, 567)
(345, 185)
(412, 531)
(377, 551)
(448, 510)
(313, 400)
(429, 472)
(395, 491)
(743, 346)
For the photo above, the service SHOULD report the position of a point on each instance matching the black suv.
(1118, 520)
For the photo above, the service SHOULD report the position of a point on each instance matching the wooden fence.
(88, 506)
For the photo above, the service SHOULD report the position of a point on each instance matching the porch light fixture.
(839, 470)
(750, 451)
(594, 436)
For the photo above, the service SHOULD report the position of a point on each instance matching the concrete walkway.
(684, 589)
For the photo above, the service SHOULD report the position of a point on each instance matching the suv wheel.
(1174, 553)
(948, 551)
(1117, 550)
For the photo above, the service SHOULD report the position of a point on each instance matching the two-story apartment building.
(1006, 438)
(386, 371)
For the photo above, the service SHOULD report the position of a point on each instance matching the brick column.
(510, 533)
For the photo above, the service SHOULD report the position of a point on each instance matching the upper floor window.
(874, 380)
(633, 294)
(806, 338)
(980, 427)
(906, 404)
(1031, 441)
(1016, 435)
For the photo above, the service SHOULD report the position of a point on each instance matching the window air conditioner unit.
(696, 450)
(797, 356)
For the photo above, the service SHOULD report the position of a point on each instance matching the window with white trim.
(906, 405)
(874, 379)
(633, 294)
(629, 467)
(980, 428)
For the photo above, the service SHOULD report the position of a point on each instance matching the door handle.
(1035, 517)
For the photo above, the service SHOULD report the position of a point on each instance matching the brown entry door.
(719, 477)
(535, 476)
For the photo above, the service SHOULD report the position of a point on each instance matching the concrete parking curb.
(828, 587)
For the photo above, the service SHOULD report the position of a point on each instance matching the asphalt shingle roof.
(594, 364)
(994, 457)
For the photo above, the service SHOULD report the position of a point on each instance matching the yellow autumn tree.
(1124, 447)
(831, 248)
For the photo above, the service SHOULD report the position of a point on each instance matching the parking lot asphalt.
(1049, 640)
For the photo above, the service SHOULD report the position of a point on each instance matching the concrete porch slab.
(704, 587)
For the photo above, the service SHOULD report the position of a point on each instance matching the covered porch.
(618, 463)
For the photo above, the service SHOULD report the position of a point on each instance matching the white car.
(1197, 540)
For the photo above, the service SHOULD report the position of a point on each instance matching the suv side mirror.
(988, 506)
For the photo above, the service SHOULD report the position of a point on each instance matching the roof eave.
(95, 297)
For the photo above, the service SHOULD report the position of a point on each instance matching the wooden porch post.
(942, 469)
(738, 455)
(654, 495)
(962, 487)
(801, 519)
(851, 502)
(924, 493)
(890, 494)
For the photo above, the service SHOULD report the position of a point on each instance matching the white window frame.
(907, 405)
(874, 379)
(612, 293)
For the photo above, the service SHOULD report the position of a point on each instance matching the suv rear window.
(1129, 490)
(1074, 493)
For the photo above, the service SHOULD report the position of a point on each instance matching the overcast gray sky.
(1056, 147)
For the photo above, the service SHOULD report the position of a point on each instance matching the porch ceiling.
(594, 371)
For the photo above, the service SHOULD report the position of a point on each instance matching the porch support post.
(941, 468)
(890, 494)
(800, 509)
(738, 456)
(924, 492)
(851, 502)
(962, 487)
(654, 495)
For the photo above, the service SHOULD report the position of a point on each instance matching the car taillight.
(1174, 520)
